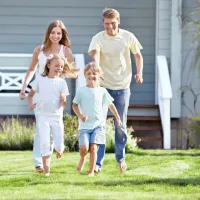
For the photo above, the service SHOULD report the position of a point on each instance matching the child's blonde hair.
(95, 67)
(69, 70)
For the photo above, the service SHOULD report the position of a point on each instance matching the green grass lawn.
(151, 174)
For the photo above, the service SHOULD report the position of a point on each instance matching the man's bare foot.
(90, 174)
(47, 174)
(39, 169)
(122, 166)
(80, 165)
(59, 154)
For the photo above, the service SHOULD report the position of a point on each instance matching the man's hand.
(119, 123)
(138, 78)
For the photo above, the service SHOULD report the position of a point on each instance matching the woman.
(56, 41)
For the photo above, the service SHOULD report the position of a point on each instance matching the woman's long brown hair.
(65, 36)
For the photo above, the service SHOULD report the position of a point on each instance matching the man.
(110, 49)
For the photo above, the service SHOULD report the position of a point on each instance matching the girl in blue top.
(88, 105)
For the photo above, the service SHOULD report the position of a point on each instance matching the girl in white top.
(49, 87)
(56, 41)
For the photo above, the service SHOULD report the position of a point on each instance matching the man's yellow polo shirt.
(115, 59)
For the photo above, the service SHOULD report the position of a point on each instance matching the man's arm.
(95, 56)
(139, 66)
(115, 113)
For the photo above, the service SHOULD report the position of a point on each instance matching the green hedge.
(17, 134)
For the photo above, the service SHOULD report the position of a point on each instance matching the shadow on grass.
(8, 172)
(128, 183)
(21, 182)
(166, 181)
(165, 153)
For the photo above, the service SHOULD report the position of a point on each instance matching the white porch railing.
(80, 63)
(11, 81)
(12, 77)
(164, 96)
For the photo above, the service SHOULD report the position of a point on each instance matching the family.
(108, 77)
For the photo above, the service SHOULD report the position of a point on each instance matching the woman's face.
(55, 35)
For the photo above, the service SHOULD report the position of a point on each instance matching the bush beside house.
(18, 134)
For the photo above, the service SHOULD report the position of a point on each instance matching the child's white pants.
(53, 125)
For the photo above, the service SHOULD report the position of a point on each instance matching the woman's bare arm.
(69, 55)
(30, 72)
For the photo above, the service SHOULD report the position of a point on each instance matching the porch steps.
(144, 118)
(145, 123)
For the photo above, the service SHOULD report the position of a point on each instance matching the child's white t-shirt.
(48, 95)
(92, 102)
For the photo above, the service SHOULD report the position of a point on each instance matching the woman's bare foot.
(80, 165)
(59, 154)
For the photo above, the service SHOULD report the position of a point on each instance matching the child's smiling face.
(56, 67)
(92, 77)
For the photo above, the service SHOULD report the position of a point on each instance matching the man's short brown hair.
(110, 13)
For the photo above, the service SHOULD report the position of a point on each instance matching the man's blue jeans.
(121, 102)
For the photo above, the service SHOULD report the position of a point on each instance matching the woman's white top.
(42, 59)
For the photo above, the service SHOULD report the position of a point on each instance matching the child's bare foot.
(90, 174)
(39, 169)
(59, 154)
(80, 165)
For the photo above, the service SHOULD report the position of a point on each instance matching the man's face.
(111, 26)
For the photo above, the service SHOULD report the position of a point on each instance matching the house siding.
(163, 34)
(23, 24)
(190, 75)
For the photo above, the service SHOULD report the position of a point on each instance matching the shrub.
(193, 129)
(110, 138)
(16, 134)
(71, 135)
(71, 132)
(195, 124)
